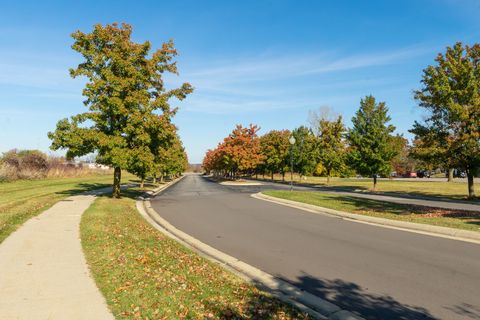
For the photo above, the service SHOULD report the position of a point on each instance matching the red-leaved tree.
(239, 153)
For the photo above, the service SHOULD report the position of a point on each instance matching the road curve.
(376, 272)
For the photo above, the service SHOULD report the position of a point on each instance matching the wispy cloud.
(239, 85)
(277, 82)
(277, 67)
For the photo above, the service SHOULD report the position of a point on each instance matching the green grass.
(419, 187)
(438, 217)
(146, 275)
(23, 199)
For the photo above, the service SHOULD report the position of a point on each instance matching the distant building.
(98, 166)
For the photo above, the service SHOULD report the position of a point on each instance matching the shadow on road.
(346, 295)
(352, 297)
(466, 310)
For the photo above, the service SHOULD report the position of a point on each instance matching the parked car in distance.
(423, 174)
(457, 174)
(410, 174)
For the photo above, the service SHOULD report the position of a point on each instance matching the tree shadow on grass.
(103, 189)
(258, 306)
(426, 195)
(365, 205)
(399, 194)
(88, 188)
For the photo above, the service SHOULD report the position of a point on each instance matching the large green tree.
(275, 150)
(451, 96)
(305, 151)
(331, 145)
(171, 159)
(371, 150)
(124, 88)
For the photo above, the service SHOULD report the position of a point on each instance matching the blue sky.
(262, 62)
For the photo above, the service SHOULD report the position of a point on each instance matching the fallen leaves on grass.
(145, 275)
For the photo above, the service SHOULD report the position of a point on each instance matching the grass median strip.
(146, 275)
(467, 220)
(23, 199)
(420, 187)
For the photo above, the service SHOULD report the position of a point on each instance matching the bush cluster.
(34, 164)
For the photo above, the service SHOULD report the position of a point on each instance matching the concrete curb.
(443, 232)
(314, 306)
(164, 187)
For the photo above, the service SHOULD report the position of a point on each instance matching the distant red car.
(410, 174)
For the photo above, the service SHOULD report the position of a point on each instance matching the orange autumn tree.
(239, 153)
(212, 162)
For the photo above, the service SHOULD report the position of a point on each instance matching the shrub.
(34, 164)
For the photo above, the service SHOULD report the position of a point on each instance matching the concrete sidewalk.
(43, 272)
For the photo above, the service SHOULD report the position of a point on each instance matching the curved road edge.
(436, 231)
(305, 301)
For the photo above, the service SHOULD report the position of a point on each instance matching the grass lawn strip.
(421, 187)
(146, 275)
(466, 220)
(24, 199)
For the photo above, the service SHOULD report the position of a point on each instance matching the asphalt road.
(376, 272)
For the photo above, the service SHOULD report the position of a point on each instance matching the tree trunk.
(328, 178)
(272, 176)
(374, 182)
(161, 178)
(450, 175)
(154, 179)
(142, 182)
(117, 176)
(283, 175)
(471, 189)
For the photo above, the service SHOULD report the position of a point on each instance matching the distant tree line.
(448, 138)
(129, 119)
(327, 149)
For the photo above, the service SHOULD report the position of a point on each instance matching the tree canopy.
(451, 97)
(238, 153)
(305, 151)
(275, 150)
(331, 145)
(371, 150)
(124, 89)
